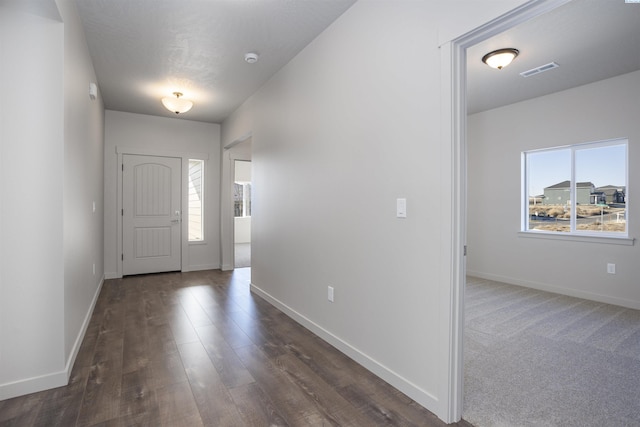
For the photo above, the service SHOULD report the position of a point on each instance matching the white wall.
(242, 232)
(243, 171)
(348, 126)
(238, 126)
(603, 110)
(83, 184)
(181, 138)
(32, 273)
(47, 129)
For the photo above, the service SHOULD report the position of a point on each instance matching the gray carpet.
(242, 255)
(534, 358)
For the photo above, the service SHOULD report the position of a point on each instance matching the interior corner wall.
(32, 355)
(163, 135)
(83, 184)
(238, 125)
(348, 126)
(599, 111)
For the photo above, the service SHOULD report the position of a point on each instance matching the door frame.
(454, 133)
(227, 229)
(184, 202)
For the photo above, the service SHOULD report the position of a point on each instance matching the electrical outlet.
(330, 293)
(611, 268)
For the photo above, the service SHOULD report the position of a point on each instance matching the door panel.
(151, 214)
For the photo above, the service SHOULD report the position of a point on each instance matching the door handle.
(178, 219)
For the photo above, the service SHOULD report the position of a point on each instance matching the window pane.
(595, 203)
(603, 170)
(195, 213)
(549, 190)
(238, 199)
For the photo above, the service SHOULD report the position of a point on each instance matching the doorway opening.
(454, 128)
(519, 16)
(242, 214)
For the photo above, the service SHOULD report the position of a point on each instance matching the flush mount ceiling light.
(500, 58)
(177, 105)
(251, 57)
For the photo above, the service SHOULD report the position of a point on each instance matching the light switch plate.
(401, 208)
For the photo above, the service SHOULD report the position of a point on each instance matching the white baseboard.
(556, 289)
(111, 275)
(421, 396)
(227, 267)
(54, 379)
(83, 330)
(33, 385)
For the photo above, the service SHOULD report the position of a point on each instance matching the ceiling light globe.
(177, 105)
(500, 58)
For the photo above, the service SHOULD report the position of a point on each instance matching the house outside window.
(578, 189)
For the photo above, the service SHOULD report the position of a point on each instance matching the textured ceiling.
(143, 50)
(591, 40)
(146, 49)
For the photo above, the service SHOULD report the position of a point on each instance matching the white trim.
(235, 142)
(161, 153)
(227, 229)
(608, 239)
(454, 125)
(83, 330)
(119, 189)
(54, 379)
(203, 202)
(184, 202)
(423, 397)
(184, 207)
(227, 220)
(453, 114)
(573, 189)
(634, 304)
(33, 384)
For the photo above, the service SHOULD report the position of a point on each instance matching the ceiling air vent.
(540, 69)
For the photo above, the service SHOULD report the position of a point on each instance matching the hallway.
(198, 348)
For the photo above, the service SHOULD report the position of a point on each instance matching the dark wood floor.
(193, 349)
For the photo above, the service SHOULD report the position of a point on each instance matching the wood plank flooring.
(198, 349)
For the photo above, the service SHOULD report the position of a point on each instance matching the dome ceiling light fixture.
(500, 58)
(177, 105)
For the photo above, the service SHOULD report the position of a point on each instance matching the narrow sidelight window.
(196, 205)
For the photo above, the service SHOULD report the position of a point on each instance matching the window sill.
(626, 241)
(197, 242)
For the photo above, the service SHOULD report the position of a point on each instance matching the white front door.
(151, 217)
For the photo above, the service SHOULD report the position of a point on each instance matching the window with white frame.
(242, 199)
(577, 189)
(196, 205)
